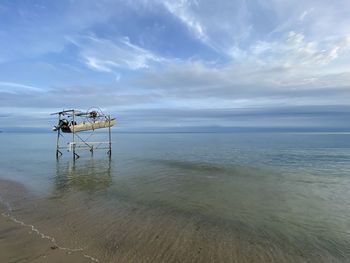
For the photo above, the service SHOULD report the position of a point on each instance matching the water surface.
(186, 197)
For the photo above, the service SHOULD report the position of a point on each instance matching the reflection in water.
(85, 174)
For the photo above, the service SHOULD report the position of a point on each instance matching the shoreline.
(20, 241)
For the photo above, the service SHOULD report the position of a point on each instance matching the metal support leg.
(92, 150)
(75, 156)
(58, 152)
(73, 135)
(110, 137)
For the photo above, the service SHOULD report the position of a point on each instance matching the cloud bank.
(182, 63)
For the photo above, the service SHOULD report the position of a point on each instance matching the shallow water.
(187, 197)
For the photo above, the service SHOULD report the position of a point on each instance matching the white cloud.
(181, 9)
(96, 64)
(217, 25)
(12, 87)
(295, 51)
(292, 71)
(230, 25)
(106, 55)
(305, 14)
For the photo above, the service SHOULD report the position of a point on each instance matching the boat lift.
(76, 121)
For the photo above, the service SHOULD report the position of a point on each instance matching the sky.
(177, 64)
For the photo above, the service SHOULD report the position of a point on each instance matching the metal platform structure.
(79, 123)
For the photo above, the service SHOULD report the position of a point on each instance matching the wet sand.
(23, 242)
(20, 244)
(77, 228)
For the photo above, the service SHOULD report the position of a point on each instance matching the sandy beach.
(22, 242)
(36, 233)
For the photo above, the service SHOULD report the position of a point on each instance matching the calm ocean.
(187, 197)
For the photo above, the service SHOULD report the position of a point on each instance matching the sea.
(182, 197)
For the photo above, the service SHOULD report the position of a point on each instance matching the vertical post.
(110, 136)
(57, 144)
(73, 134)
(58, 137)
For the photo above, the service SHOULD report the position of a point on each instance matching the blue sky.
(161, 64)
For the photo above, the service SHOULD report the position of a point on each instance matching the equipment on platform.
(76, 121)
